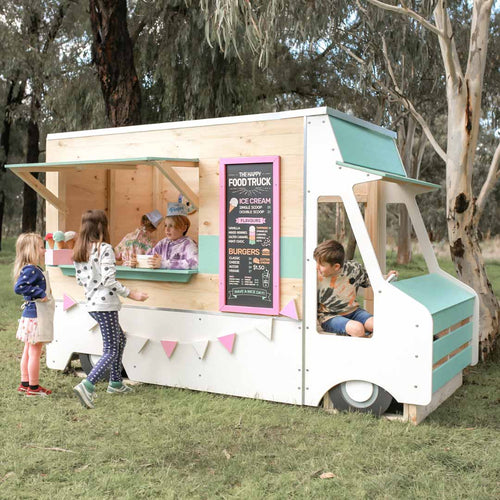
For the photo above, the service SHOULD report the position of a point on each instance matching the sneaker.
(41, 391)
(22, 389)
(122, 389)
(85, 396)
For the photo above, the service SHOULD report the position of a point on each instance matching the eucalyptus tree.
(32, 29)
(263, 20)
(112, 52)
(464, 77)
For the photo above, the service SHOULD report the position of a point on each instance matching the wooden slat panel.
(448, 343)
(209, 143)
(445, 372)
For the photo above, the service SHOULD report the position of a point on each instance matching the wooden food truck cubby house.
(425, 330)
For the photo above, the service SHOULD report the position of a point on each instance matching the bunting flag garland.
(200, 347)
(143, 345)
(290, 310)
(68, 302)
(265, 328)
(168, 346)
(228, 341)
(135, 344)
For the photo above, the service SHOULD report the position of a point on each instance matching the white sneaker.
(85, 396)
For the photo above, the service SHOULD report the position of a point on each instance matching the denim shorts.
(338, 323)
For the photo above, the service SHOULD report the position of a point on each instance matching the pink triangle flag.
(68, 302)
(290, 310)
(228, 341)
(169, 346)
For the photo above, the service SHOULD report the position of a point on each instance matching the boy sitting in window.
(338, 283)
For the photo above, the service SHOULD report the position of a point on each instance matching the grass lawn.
(160, 442)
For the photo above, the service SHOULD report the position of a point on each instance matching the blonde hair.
(180, 222)
(26, 252)
(94, 229)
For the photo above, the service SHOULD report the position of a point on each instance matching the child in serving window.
(139, 241)
(176, 251)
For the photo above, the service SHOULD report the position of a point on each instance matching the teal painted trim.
(127, 273)
(400, 178)
(452, 315)
(98, 162)
(434, 291)
(208, 254)
(452, 367)
(367, 148)
(291, 256)
(360, 122)
(451, 341)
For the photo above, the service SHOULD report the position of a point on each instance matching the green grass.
(168, 443)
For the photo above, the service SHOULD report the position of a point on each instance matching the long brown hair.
(93, 229)
(26, 252)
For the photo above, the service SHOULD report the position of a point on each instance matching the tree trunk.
(2, 207)
(112, 51)
(464, 107)
(30, 197)
(5, 138)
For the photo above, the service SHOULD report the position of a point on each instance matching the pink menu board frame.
(224, 164)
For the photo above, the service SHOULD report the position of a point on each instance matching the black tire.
(377, 402)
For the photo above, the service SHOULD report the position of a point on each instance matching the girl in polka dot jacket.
(30, 283)
(95, 271)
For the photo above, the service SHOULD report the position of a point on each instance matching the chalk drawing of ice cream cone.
(251, 235)
(233, 203)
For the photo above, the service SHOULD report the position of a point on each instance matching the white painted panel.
(259, 367)
(399, 356)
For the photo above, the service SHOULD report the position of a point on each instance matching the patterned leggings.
(113, 340)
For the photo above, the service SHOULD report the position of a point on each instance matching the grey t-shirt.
(98, 277)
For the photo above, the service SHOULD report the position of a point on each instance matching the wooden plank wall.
(132, 193)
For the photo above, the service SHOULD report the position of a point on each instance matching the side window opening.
(336, 293)
(403, 251)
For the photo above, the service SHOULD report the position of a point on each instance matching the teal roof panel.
(366, 147)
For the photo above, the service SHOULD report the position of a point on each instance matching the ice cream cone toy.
(49, 241)
(59, 240)
(233, 203)
(69, 239)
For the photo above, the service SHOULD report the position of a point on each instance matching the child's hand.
(138, 296)
(131, 261)
(155, 261)
(44, 299)
(391, 275)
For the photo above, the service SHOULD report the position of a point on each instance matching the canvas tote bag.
(45, 315)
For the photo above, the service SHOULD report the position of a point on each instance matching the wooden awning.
(164, 165)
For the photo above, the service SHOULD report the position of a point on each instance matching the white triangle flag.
(200, 347)
(136, 344)
(265, 328)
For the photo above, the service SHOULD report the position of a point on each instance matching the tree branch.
(489, 183)
(405, 11)
(389, 65)
(418, 117)
(447, 44)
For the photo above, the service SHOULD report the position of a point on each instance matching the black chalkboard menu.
(250, 230)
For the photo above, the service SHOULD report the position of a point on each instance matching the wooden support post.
(178, 183)
(37, 186)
